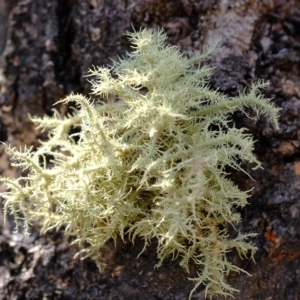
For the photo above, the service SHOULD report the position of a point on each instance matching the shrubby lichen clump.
(150, 164)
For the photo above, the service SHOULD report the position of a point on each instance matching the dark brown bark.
(51, 45)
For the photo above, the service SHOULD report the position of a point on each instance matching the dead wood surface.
(48, 46)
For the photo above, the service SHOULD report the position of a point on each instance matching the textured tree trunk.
(49, 47)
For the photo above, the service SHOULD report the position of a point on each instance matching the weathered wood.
(49, 48)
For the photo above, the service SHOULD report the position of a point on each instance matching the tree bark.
(49, 48)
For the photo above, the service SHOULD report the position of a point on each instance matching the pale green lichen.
(150, 164)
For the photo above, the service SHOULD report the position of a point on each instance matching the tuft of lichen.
(150, 164)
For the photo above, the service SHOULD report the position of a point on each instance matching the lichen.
(151, 164)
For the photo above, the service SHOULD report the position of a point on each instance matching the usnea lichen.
(150, 164)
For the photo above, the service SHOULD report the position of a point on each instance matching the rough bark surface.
(49, 47)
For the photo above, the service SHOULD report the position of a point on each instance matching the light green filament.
(151, 164)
